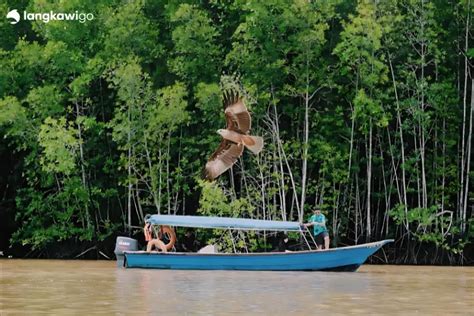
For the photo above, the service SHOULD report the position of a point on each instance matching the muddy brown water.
(56, 287)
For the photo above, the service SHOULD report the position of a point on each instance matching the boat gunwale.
(375, 244)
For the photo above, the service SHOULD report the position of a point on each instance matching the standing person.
(318, 221)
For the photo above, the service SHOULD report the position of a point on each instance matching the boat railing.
(237, 224)
(239, 240)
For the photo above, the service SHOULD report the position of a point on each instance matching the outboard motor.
(124, 244)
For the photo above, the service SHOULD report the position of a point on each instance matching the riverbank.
(104, 250)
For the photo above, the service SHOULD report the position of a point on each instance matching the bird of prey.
(234, 137)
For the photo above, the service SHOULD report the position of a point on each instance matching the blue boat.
(337, 259)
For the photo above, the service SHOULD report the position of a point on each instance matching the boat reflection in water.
(177, 292)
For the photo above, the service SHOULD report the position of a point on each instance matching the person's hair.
(316, 208)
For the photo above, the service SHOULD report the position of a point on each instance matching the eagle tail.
(253, 143)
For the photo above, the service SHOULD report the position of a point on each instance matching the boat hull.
(337, 259)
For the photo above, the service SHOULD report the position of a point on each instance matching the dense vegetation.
(366, 108)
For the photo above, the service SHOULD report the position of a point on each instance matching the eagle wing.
(236, 113)
(222, 159)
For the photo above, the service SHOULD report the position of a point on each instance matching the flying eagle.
(234, 137)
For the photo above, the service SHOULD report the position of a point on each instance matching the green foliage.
(209, 102)
(46, 218)
(14, 122)
(214, 202)
(125, 108)
(170, 111)
(130, 32)
(431, 226)
(196, 53)
(143, 125)
(367, 110)
(45, 101)
(59, 145)
(360, 55)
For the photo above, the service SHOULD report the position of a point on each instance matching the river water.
(56, 287)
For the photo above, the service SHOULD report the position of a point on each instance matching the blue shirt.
(318, 219)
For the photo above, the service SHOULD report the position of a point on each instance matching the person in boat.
(189, 244)
(318, 221)
(153, 242)
(280, 243)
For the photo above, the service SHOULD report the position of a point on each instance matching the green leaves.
(125, 108)
(14, 124)
(431, 225)
(52, 217)
(171, 109)
(45, 101)
(59, 144)
(368, 110)
(360, 50)
(196, 52)
(128, 31)
(215, 202)
(143, 126)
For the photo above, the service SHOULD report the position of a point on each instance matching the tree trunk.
(468, 159)
(369, 181)
(305, 154)
(129, 170)
(83, 170)
(421, 122)
(402, 145)
(280, 160)
(463, 198)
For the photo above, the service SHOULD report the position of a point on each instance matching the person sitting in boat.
(280, 243)
(153, 242)
(189, 243)
(318, 221)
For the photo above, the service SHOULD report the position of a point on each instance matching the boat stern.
(124, 244)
